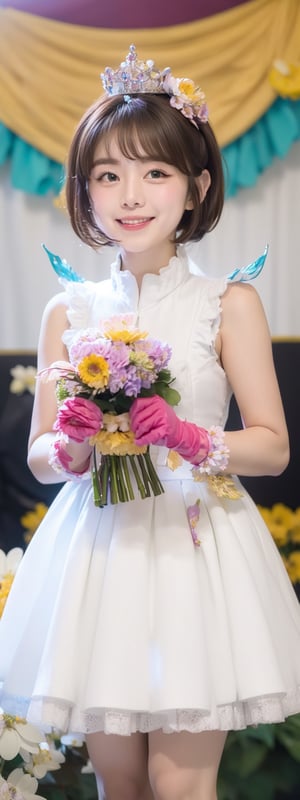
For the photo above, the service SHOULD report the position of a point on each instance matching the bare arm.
(262, 447)
(50, 349)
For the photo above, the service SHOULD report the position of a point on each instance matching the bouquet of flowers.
(111, 366)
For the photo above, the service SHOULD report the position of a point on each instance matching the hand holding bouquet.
(109, 368)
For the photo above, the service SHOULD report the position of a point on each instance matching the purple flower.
(118, 356)
(132, 387)
(80, 350)
(159, 352)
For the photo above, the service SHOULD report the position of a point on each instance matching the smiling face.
(125, 133)
(138, 202)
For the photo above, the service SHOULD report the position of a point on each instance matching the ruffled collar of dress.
(154, 285)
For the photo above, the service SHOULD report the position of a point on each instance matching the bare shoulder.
(55, 312)
(240, 296)
(241, 306)
(56, 305)
(54, 323)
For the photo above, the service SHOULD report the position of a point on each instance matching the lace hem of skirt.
(60, 716)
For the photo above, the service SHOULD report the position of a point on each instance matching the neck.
(150, 262)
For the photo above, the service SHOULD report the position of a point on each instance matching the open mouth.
(135, 222)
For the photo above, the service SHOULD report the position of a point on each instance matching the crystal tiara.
(142, 77)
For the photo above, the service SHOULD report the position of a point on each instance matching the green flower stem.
(127, 477)
(156, 484)
(113, 473)
(123, 494)
(114, 494)
(144, 474)
(139, 482)
(103, 479)
(98, 498)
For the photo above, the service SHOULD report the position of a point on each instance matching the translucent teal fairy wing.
(251, 271)
(62, 268)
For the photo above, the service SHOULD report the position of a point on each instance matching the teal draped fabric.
(245, 158)
(30, 170)
(272, 136)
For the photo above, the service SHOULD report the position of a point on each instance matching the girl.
(151, 641)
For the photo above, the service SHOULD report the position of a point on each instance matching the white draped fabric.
(268, 212)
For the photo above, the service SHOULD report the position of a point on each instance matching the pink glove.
(153, 421)
(78, 418)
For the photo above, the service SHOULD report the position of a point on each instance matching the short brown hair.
(164, 134)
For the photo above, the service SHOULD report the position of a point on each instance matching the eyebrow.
(115, 162)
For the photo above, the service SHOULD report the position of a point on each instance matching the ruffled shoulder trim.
(80, 297)
(212, 290)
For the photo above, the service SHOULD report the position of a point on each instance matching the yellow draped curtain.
(49, 71)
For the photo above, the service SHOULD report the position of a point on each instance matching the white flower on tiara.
(186, 97)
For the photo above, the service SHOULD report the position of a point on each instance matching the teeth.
(134, 221)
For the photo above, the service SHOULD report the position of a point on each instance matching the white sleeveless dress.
(116, 621)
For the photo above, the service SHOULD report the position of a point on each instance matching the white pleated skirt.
(116, 622)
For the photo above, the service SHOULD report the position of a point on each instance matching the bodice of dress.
(175, 306)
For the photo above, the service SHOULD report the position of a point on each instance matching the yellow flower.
(5, 586)
(283, 515)
(32, 519)
(280, 520)
(188, 88)
(94, 371)
(292, 563)
(8, 566)
(284, 77)
(118, 443)
(284, 525)
(295, 534)
(124, 335)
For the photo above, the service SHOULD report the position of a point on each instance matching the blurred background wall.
(245, 55)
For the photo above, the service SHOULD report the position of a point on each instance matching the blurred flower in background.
(24, 379)
(284, 525)
(31, 520)
(8, 567)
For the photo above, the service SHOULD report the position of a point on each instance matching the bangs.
(148, 127)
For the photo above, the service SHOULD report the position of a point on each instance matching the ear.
(203, 182)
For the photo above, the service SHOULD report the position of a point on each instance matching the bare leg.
(184, 766)
(120, 764)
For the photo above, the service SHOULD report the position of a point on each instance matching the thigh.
(185, 764)
(120, 764)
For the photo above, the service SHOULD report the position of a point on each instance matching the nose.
(133, 196)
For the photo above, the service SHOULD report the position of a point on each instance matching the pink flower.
(78, 418)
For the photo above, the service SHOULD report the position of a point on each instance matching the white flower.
(116, 422)
(17, 734)
(23, 379)
(25, 785)
(47, 759)
(72, 741)
(8, 791)
(9, 562)
(88, 768)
